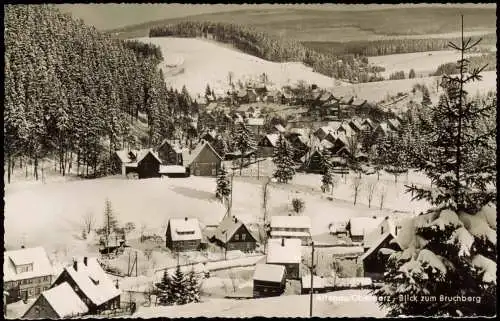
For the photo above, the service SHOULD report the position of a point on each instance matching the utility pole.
(311, 268)
(231, 199)
(257, 153)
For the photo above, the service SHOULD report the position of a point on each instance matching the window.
(37, 290)
(46, 278)
(214, 171)
(236, 237)
(243, 237)
(31, 291)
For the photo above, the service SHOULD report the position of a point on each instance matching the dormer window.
(24, 268)
(185, 232)
(96, 282)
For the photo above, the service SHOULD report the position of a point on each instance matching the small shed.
(183, 234)
(319, 284)
(375, 259)
(269, 280)
(359, 227)
(285, 252)
(173, 171)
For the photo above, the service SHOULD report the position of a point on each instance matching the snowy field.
(348, 303)
(377, 91)
(186, 63)
(51, 214)
(423, 63)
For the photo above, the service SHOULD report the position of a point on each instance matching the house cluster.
(82, 288)
(169, 159)
(377, 235)
(287, 234)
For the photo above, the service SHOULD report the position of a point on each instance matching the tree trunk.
(378, 175)
(70, 165)
(78, 162)
(9, 164)
(21, 162)
(36, 167)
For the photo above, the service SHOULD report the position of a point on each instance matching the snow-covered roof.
(211, 106)
(368, 121)
(183, 229)
(299, 131)
(255, 121)
(172, 169)
(394, 123)
(269, 272)
(376, 244)
(318, 282)
(212, 133)
(289, 221)
(284, 251)
(273, 139)
(353, 282)
(189, 157)
(358, 101)
(125, 156)
(338, 227)
(36, 256)
(384, 127)
(289, 233)
(227, 227)
(64, 301)
(360, 226)
(93, 281)
(326, 144)
(280, 128)
(176, 145)
(355, 124)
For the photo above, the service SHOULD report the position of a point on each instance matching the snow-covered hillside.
(196, 63)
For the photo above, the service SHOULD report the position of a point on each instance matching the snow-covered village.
(171, 160)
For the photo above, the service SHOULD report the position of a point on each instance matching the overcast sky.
(110, 16)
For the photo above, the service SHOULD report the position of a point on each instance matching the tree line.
(265, 46)
(387, 46)
(73, 91)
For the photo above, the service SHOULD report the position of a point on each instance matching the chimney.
(116, 285)
(282, 242)
(85, 260)
(387, 217)
(185, 218)
(75, 265)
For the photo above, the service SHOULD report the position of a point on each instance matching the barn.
(203, 160)
(144, 162)
(269, 280)
(148, 165)
(233, 234)
(183, 234)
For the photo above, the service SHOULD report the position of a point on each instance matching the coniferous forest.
(265, 46)
(73, 92)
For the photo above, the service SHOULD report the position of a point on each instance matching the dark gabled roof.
(190, 157)
(227, 227)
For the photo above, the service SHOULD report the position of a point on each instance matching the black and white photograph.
(249, 160)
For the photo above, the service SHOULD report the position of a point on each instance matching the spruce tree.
(283, 160)
(178, 288)
(223, 185)
(110, 221)
(327, 178)
(243, 141)
(449, 252)
(192, 287)
(164, 289)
